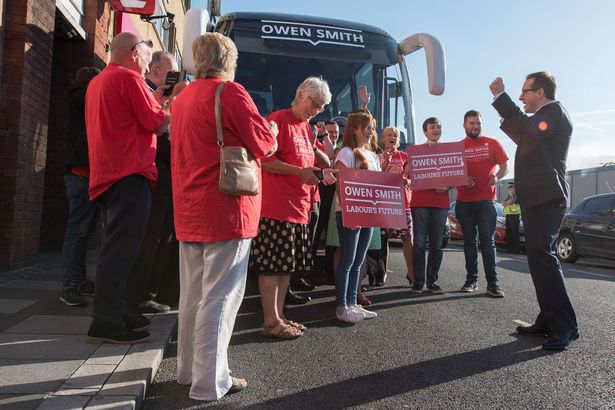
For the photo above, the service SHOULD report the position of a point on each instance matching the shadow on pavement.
(404, 379)
(570, 271)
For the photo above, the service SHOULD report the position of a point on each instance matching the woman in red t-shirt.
(214, 229)
(283, 244)
(395, 161)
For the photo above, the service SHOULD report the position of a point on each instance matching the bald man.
(122, 120)
(154, 279)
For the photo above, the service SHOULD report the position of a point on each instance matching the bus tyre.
(566, 248)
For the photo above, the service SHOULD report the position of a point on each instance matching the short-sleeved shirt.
(121, 115)
(483, 154)
(397, 164)
(347, 157)
(202, 212)
(430, 198)
(286, 197)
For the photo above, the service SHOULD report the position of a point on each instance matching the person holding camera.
(158, 260)
(283, 245)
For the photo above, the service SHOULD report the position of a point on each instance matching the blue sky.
(484, 39)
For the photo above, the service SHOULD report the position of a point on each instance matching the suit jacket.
(542, 147)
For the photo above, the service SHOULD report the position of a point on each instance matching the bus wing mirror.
(195, 24)
(436, 58)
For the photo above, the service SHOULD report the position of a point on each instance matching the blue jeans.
(353, 248)
(125, 208)
(478, 219)
(428, 223)
(82, 219)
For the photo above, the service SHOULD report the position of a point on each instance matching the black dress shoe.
(533, 330)
(295, 299)
(302, 285)
(561, 341)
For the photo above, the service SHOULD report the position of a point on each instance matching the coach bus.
(278, 51)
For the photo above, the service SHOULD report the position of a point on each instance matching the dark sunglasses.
(148, 42)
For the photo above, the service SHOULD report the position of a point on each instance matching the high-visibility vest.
(514, 209)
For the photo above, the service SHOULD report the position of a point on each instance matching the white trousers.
(212, 283)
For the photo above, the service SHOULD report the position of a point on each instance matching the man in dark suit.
(540, 166)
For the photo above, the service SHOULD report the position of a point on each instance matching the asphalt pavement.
(448, 351)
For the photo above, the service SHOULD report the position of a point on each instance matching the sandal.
(281, 331)
(296, 325)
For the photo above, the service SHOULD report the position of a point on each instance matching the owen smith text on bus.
(311, 33)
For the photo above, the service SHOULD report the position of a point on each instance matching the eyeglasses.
(147, 42)
(527, 90)
(316, 105)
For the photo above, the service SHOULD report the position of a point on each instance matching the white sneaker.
(367, 314)
(350, 316)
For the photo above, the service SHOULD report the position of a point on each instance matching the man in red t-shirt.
(122, 120)
(475, 206)
(429, 209)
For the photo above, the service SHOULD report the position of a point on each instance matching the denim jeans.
(478, 219)
(125, 208)
(428, 223)
(82, 219)
(353, 248)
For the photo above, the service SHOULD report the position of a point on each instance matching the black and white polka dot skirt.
(281, 248)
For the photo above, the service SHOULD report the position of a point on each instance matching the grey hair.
(314, 87)
(157, 57)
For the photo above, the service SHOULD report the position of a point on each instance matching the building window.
(72, 12)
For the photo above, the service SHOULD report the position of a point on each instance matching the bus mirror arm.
(436, 58)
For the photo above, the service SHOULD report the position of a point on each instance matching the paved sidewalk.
(45, 361)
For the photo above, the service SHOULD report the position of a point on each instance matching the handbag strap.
(218, 111)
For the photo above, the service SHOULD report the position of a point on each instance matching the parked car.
(500, 228)
(589, 230)
(445, 238)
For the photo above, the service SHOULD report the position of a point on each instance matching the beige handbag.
(238, 169)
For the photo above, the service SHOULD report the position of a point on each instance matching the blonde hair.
(395, 131)
(357, 119)
(214, 54)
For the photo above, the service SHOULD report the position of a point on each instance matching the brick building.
(42, 45)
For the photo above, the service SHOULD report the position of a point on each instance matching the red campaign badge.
(144, 7)
(372, 199)
(437, 165)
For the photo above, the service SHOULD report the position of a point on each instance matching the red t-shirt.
(81, 171)
(286, 197)
(482, 156)
(121, 115)
(202, 212)
(430, 198)
(397, 164)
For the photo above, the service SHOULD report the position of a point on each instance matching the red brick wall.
(69, 55)
(24, 111)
